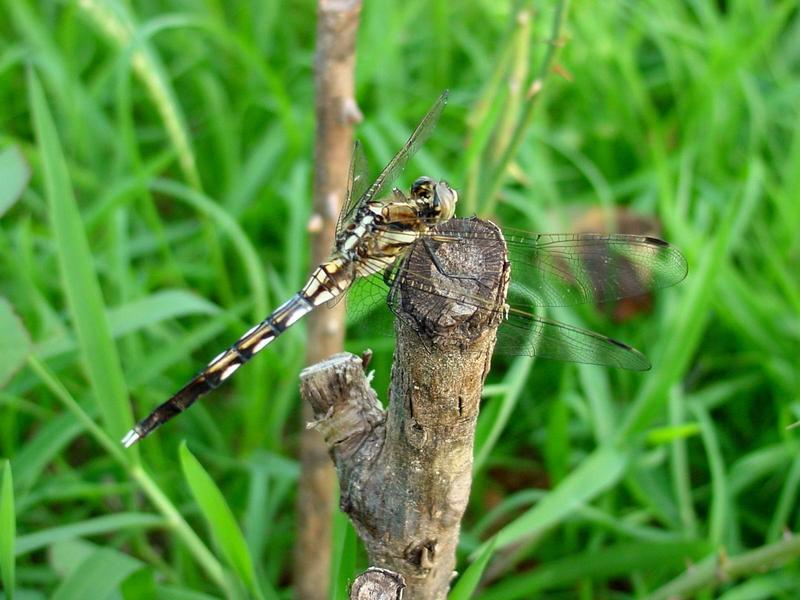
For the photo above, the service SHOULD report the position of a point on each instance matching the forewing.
(565, 269)
(356, 184)
(523, 333)
(400, 160)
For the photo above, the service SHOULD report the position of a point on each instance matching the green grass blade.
(719, 519)
(764, 587)
(707, 573)
(14, 176)
(698, 294)
(8, 533)
(787, 501)
(116, 22)
(227, 224)
(174, 353)
(98, 576)
(65, 556)
(48, 443)
(343, 565)
(160, 306)
(136, 315)
(156, 495)
(193, 542)
(14, 342)
(220, 519)
(609, 562)
(492, 424)
(181, 593)
(86, 120)
(600, 470)
(99, 525)
(497, 176)
(79, 280)
(468, 582)
(679, 459)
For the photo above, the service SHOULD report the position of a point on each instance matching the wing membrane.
(521, 334)
(524, 333)
(576, 268)
(565, 269)
(356, 184)
(366, 296)
(395, 166)
(529, 335)
(358, 193)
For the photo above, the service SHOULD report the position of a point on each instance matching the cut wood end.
(378, 584)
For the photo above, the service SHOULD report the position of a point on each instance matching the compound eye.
(422, 188)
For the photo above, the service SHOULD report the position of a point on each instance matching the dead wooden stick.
(336, 113)
(405, 474)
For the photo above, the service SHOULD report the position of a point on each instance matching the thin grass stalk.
(497, 176)
(486, 110)
(117, 25)
(163, 504)
(720, 569)
(336, 113)
(521, 58)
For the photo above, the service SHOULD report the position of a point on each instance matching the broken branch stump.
(405, 473)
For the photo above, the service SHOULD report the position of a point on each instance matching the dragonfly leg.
(443, 237)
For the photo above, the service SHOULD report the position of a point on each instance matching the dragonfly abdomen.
(327, 281)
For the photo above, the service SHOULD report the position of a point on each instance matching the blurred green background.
(169, 147)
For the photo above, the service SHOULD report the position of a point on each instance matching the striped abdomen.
(327, 281)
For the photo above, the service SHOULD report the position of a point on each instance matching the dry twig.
(405, 474)
(336, 113)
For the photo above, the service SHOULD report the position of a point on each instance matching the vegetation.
(169, 148)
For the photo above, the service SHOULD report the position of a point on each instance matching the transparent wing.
(356, 184)
(358, 193)
(522, 332)
(366, 299)
(576, 268)
(565, 269)
(357, 180)
(525, 334)
(400, 160)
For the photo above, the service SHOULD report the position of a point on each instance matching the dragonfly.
(377, 228)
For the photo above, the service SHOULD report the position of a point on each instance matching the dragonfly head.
(437, 199)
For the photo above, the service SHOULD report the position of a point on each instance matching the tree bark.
(405, 474)
(336, 113)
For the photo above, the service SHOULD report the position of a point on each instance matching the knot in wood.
(422, 555)
(416, 436)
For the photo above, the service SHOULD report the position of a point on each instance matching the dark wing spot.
(620, 344)
(655, 241)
